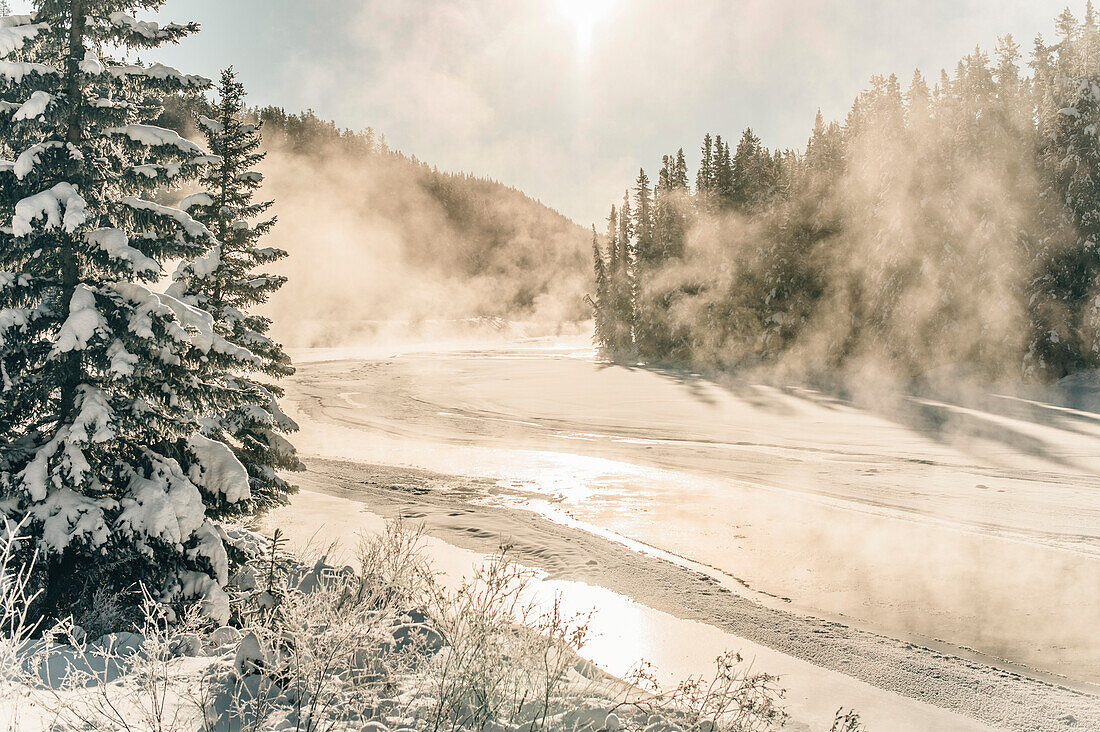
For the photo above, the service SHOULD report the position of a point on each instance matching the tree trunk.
(72, 365)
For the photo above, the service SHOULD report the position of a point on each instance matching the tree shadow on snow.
(951, 411)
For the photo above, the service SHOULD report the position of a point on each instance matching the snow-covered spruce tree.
(223, 282)
(600, 303)
(1065, 299)
(100, 449)
(618, 305)
(622, 280)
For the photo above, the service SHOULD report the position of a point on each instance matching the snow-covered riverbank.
(976, 539)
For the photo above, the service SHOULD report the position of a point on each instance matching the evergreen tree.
(613, 241)
(751, 179)
(704, 179)
(723, 172)
(680, 171)
(224, 283)
(626, 233)
(648, 255)
(664, 177)
(1066, 292)
(101, 453)
(600, 304)
(831, 149)
(918, 103)
(668, 217)
(816, 142)
(1007, 73)
(1043, 86)
(620, 287)
(643, 220)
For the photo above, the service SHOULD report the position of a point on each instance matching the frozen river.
(943, 550)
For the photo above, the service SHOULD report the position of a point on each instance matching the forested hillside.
(381, 240)
(944, 221)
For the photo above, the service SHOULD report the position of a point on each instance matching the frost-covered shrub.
(734, 698)
(382, 648)
(388, 645)
(101, 457)
(503, 660)
(16, 628)
(322, 647)
(847, 721)
(126, 681)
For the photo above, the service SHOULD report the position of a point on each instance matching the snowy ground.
(919, 555)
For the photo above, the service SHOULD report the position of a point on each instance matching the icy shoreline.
(683, 618)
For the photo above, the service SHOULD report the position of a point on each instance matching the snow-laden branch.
(217, 469)
(117, 245)
(185, 324)
(82, 324)
(147, 29)
(196, 199)
(32, 156)
(34, 107)
(49, 205)
(160, 72)
(14, 36)
(153, 136)
(192, 227)
(12, 318)
(15, 71)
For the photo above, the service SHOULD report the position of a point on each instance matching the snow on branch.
(91, 65)
(196, 199)
(68, 516)
(171, 170)
(213, 125)
(186, 324)
(12, 318)
(13, 279)
(147, 29)
(161, 502)
(14, 36)
(153, 171)
(30, 157)
(34, 107)
(92, 424)
(202, 266)
(14, 21)
(160, 72)
(82, 324)
(217, 469)
(147, 305)
(153, 136)
(192, 227)
(49, 205)
(117, 245)
(16, 70)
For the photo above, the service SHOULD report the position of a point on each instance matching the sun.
(584, 14)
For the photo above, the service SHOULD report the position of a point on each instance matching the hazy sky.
(565, 99)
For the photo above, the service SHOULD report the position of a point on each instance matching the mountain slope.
(380, 240)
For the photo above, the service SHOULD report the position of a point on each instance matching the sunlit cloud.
(584, 14)
(557, 97)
